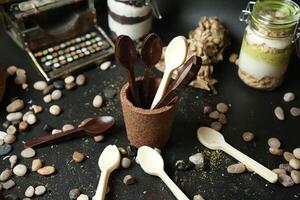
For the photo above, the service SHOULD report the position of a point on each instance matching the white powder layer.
(123, 9)
(278, 43)
(259, 68)
(135, 31)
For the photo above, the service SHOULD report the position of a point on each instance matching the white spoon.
(175, 55)
(214, 140)
(153, 164)
(109, 160)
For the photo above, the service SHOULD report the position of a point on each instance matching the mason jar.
(272, 28)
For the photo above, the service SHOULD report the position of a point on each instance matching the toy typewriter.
(60, 36)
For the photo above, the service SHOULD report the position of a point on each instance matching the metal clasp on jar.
(245, 14)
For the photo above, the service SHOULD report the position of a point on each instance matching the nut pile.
(208, 41)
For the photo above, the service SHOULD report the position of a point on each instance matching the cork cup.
(145, 126)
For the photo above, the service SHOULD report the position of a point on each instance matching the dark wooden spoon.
(187, 73)
(93, 128)
(151, 54)
(126, 55)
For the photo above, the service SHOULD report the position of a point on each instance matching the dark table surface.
(251, 110)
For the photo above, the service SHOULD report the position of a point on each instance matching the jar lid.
(276, 13)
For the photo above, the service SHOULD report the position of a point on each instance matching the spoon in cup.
(153, 164)
(175, 55)
(214, 140)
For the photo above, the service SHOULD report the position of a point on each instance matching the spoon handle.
(172, 186)
(162, 88)
(133, 88)
(102, 185)
(50, 138)
(146, 85)
(261, 170)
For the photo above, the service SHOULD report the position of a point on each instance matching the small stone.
(70, 86)
(21, 77)
(56, 95)
(10, 139)
(109, 93)
(2, 135)
(198, 197)
(11, 130)
(279, 171)
(288, 97)
(31, 119)
(279, 113)
(78, 157)
(40, 190)
(99, 138)
(69, 79)
(295, 175)
(5, 175)
(23, 126)
(59, 84)
(222, 107)
(197, 159)
(47, 128)
(222, 119)
(15, 106)
(128, 180)
(25, 116)
(37, 109)
(131, 151)
(46, 171)
(285, 180)
(286, 167)
(36, 165)
(275, 151)
(85, 121)
(28, 153)
(40, 85)
(214, 115)
(47, 98)
(216, 126)
(11, 197)
(80, 80)
(20, 170)
(236, 168)
(8, 184)
(14, 116)
(29, 192)
(122, 150)
(25, 86)
(295, 112)
(296, 153)
(125, 163)
(55, 110)
(67, 127)
(274, 143)
(233, 57)
(97, 101)
(48, 89)
(182, 165)
(83, 197)
(11, 70)
(13, 160)
(294, 163)
(288, 156)
(55, 131)
(105, 65)
(74, 193)
(207, 109)
(248, 136)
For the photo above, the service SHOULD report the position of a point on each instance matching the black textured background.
(251, 110)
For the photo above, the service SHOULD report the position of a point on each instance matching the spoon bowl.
(175, 53)
(150, 161)
(98, 125)
(110, 158)
(151, 50)
(210, 138)
(125, 52)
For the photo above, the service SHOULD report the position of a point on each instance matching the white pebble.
(296, 153)
(25, 116)
(83, 197)
(47, 98)
(295, 112)
(55, 110)
(12, 130)
(97, 102)
(9, 139)
(67, 127)
(274, 143)
(14, 116)
(13, 160)
(2, 135)
(31, 119)
(56, 95)
(40, 190)
(295, 163)
(289, 96)
(28, 153)
(197, 159)
(20, 170)
(29, 192)
(69, 79)
(55, 131)
(104, 66)
(40, 85)
(279, 113)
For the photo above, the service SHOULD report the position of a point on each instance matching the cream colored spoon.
(175, 55)
(109, 160)
(153, 164)
(214, 140)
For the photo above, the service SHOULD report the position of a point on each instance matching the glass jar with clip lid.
(272, 28)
